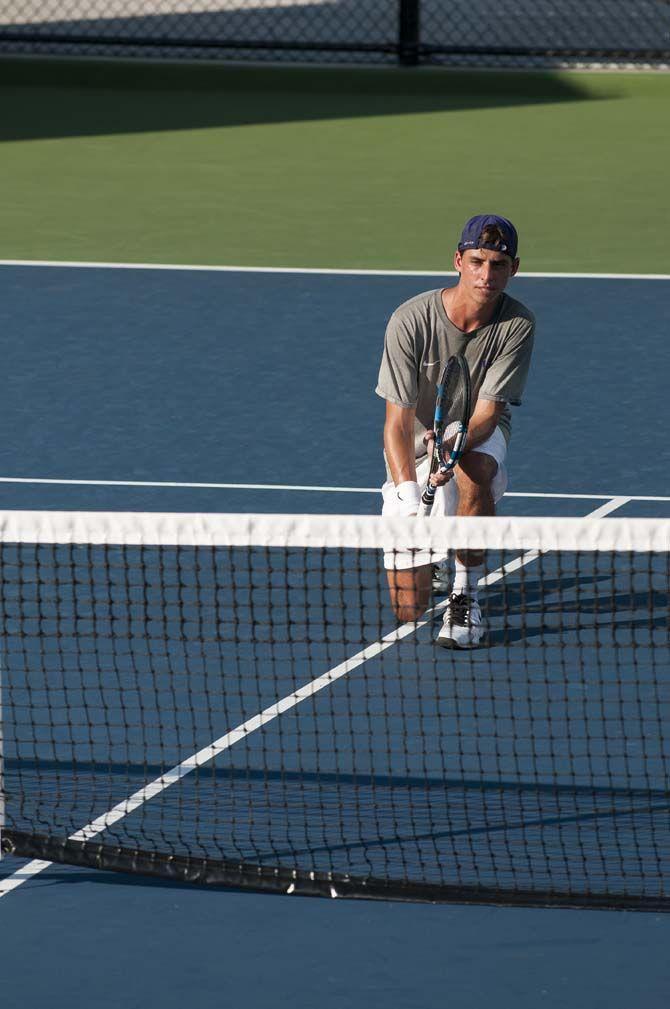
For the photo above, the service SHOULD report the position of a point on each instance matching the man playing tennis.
(495, 334)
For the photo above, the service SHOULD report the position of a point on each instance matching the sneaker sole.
(451, 643)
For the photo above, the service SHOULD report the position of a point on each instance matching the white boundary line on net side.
(269, 714)
(184, 485)
(318, 271)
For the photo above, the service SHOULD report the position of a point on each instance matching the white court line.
(609, 507)
(588, 497)
(22, 875)
(292, 487)
(324, 271)
(186, 485)
(207, 753)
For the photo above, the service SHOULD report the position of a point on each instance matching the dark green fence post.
(408, 32)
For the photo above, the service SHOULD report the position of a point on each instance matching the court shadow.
(555, 608)
(553, 594)
(573, 630)
(70, 98)
(533, 590)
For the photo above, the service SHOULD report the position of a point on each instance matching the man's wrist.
(408, 495)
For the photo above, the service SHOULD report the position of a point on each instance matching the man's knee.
(475, 473)
(408, 614)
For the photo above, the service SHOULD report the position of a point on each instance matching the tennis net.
(229, 699)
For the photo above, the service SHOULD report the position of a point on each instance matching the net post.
(408, 32)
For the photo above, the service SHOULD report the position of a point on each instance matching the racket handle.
(428, 496)
(428, 499)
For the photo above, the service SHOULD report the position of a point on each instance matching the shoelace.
(458, 610)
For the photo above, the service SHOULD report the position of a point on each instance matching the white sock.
(467, 579)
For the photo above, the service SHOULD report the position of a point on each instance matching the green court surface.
(331, 167)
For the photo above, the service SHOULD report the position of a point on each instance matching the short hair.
(493, 236)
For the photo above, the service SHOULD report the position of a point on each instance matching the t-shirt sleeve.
(398, 380)
(506, 377)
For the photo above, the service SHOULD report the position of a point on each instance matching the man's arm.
(483, 422)
(399, 449)
(399, 443)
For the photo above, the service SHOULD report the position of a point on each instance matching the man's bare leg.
(474, 475)
(410, 592)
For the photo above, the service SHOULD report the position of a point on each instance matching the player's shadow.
(560, 608)
(61, 98)
(568, 634)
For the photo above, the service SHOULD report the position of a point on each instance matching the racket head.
(452, 411)
(453, 403)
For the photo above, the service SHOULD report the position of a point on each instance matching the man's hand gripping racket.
(450, 424)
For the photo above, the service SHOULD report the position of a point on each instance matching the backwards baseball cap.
(471, 238)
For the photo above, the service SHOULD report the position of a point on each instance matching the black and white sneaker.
(462, 626)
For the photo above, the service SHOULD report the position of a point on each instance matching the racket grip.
(428, 499)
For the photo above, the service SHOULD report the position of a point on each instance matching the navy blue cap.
(471, 238)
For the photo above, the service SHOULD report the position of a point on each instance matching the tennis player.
(495, 334)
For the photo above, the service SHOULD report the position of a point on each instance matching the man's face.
(484, 273)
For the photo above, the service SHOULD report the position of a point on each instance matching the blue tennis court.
(252, 391)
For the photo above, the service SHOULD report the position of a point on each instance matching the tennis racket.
(450, 424)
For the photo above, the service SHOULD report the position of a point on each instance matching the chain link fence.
(455, 32)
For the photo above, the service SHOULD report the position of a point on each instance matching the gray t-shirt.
(420, 338)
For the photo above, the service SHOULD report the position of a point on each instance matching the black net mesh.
(255, 715)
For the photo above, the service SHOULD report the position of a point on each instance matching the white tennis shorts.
(446, 498)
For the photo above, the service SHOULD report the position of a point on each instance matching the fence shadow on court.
(69, 98)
